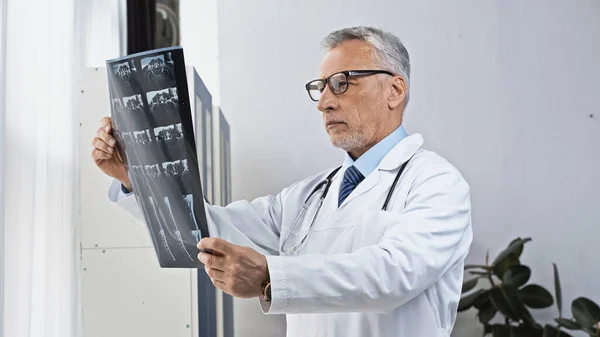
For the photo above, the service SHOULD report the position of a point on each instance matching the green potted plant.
(509, 296)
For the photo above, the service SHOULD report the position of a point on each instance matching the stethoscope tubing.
(327, 183)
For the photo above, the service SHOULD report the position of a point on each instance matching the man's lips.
(333, 123)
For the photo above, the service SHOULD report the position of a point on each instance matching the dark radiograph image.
(162, 243)
(178, 173)
(127, 82)
(153, 171)
(117, 109)
(164, 106)
(127, 138)
(134, 114)
(117, 104)
(174, 215)
(158, 71)
(142, 137)
(134, 104)
(168, 133)
(170, 138)
(189, 204)
(156, 140)
(137, 176)
(175, 169)
(138, 170)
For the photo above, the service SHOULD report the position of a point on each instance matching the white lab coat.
(361, 271)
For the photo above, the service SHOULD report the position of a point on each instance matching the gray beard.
(349, 142)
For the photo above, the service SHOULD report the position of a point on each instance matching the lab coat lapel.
(393, 160)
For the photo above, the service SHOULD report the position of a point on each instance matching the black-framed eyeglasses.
(338, 82)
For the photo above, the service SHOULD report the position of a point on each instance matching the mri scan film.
(152, 123)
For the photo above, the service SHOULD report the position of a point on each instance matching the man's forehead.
(349, 55)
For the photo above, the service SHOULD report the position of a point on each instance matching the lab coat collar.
(397, 156)
(370, 160)
(402, 152)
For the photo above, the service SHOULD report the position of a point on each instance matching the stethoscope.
(327, 183)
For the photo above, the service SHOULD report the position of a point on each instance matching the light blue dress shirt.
(371, 159)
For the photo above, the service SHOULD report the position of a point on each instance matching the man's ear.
(398, 91)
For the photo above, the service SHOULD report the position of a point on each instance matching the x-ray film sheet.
(152, 124)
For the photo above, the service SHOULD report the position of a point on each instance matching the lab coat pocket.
(371, 228)
(323, 241)
(337, 240)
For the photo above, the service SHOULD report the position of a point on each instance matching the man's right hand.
(106, 156)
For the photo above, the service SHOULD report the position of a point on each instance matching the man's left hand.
(238, 271)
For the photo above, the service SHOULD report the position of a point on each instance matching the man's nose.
(328, 100)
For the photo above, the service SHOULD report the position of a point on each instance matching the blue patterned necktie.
(352, 178)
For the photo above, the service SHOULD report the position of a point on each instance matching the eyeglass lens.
(338, 84)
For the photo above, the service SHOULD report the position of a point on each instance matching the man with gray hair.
(375, 247)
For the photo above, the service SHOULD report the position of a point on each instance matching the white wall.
(199, 39)
(503, 89)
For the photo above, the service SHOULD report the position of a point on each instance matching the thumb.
(216, 246)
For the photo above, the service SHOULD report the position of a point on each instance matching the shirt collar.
(369, 161)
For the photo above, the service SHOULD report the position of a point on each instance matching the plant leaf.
(507, 298)
(505, 264)
(568, 323)
(514, 248)
(585, 312)
(487, 312)
(517, 275)
(470, 284)
(499, 330)
(467, 301)
(536, 297)
(523, 331)
(501, 303)
(487, 329)
(520, 251)
(550, 331)
(557, 290)
(593, 332)
(481, 300)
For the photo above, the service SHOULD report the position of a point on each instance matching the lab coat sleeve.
(419, 245)
(254, 224)
(125, 201)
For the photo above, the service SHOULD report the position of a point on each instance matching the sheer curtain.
(41, 238)
(2, 110)
(104, 26)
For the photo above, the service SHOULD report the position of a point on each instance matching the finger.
(102, 146)
(212, 261)
(107, 138)
(215, 274)
(106, 124)
(216, 245)
(100, 155)
(119, 159)
(219, 284)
